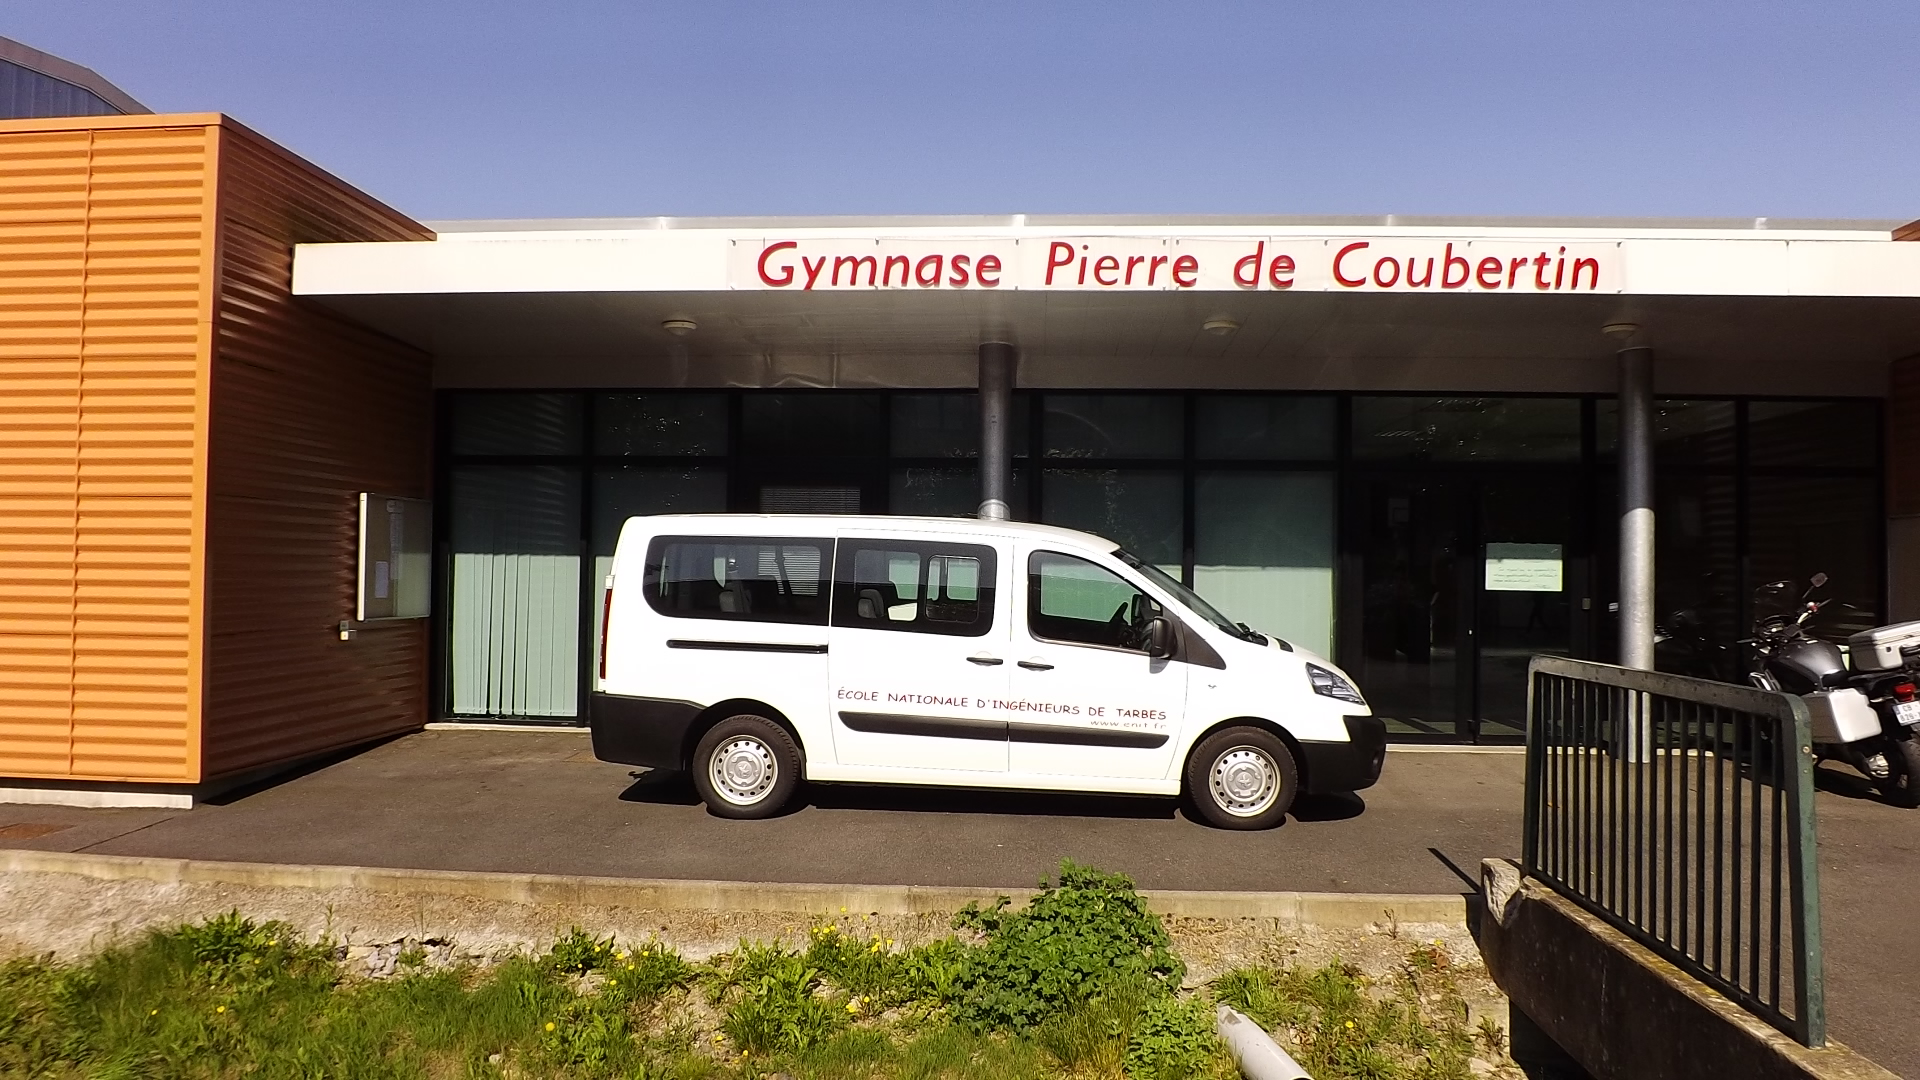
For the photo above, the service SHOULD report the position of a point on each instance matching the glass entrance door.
(1455, 580)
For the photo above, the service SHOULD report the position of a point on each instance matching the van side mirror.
(1159, 638)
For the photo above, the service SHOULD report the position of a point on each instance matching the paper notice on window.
(1524, 568)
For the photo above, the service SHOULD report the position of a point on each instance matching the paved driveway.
(539, 802)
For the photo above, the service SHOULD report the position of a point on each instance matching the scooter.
(1863, 704)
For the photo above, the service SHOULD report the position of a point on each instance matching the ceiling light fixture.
(1220, 326)
(679, 327)
(1621, 330)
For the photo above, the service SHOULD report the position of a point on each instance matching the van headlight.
(1330, 684)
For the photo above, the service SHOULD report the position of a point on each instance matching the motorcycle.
(1863, 704)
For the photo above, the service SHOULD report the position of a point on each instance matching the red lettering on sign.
(1446, 270)
(1589, 264)
(1282, 264)
(1186, 264)
(1559, 267)
(959, 278)
(990, 264)
(813, 269)
(1513, 269)
(1154, 267)
(1540, 264)
(1351, 283)
(1246, 272)
(920, 275)
(1058, 254)
(1386, 282)
(1133, 261)
(1488, 266)
(1106, 264)
(786, 271)
(1423, 282)
(886, 276)
(853, 264)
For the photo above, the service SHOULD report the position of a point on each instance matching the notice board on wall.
(396, 551)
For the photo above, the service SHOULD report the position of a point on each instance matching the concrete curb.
(1348, 911)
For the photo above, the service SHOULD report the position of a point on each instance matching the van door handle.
(1036, 665)
(984, 660)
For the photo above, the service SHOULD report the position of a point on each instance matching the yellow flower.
(1349, 1023)
(220, 1009)
(550, 1025)
(843, 909)
(853, 1006)
(155, 1012)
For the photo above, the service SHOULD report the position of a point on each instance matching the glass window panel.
(515, 620)
(1113, 425)
(517, 423)
(1070, 599)
(1139, 509)
(660, 424)
(1256, 426)
(924, 588)
(1466, 428)
(1263, 552)
(1686, 431)
(837, 424)
(739, 578)
(619, 494)
(1833, 433)
(1842, 539)
(946, 491)
(948, 425)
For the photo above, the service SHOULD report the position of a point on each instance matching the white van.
(758, 650)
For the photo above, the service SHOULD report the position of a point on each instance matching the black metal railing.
(1681, 811)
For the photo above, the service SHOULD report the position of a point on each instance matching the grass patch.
(1342, 1025)
(1082, 983)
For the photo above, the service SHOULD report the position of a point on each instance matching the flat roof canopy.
(1123, 303)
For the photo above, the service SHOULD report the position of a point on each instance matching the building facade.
(1396, 442)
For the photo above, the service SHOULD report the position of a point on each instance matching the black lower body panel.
(641, 730)
(1350, 765)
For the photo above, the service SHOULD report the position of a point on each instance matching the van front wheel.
(746, 766)
(1242, 778)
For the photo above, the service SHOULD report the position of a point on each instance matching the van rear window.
(745, 578)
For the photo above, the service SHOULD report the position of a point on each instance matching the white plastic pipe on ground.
(1259, 1057)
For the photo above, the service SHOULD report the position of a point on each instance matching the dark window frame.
(656, 554)
(846, 586)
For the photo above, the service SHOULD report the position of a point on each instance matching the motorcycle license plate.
(1907, 712)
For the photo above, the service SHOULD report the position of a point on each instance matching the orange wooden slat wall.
(181, 444)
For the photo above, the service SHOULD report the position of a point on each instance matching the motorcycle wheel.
(1898, 774)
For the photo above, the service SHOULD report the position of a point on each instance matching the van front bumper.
(641, 730)
(1344, 766)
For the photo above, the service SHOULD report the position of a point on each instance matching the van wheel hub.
(744, 770)
(1245, 781)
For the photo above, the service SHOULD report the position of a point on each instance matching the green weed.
(1076, 941)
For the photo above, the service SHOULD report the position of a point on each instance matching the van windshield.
(1193, 600)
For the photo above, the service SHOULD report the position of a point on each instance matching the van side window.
(926, 588)
(1078, 602)
(745, 578)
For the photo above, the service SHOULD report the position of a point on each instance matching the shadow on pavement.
(1847, 784)
(286, 774)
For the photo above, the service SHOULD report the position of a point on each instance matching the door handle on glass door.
(984, 660)
(1036, 665)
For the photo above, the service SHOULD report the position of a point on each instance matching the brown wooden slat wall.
(181, 444)
(308, 411)
(1909, 231)
(1903, 442)
(104, 234)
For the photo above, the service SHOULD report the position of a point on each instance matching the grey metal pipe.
(997, 361)
(1636, 508)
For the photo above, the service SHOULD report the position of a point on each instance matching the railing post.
(1803, 870)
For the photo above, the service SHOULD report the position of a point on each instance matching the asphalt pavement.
(539, 802)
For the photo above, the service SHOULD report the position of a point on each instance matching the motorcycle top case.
(1879, 649)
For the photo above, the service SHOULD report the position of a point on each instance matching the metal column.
(996, 429)
(1636, 508)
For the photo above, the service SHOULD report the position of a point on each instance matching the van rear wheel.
(746, 766)
(1242, 778)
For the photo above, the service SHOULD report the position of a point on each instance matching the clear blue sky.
(555, 108)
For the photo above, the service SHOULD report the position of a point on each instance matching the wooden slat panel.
(104, 236)
(296, 436)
